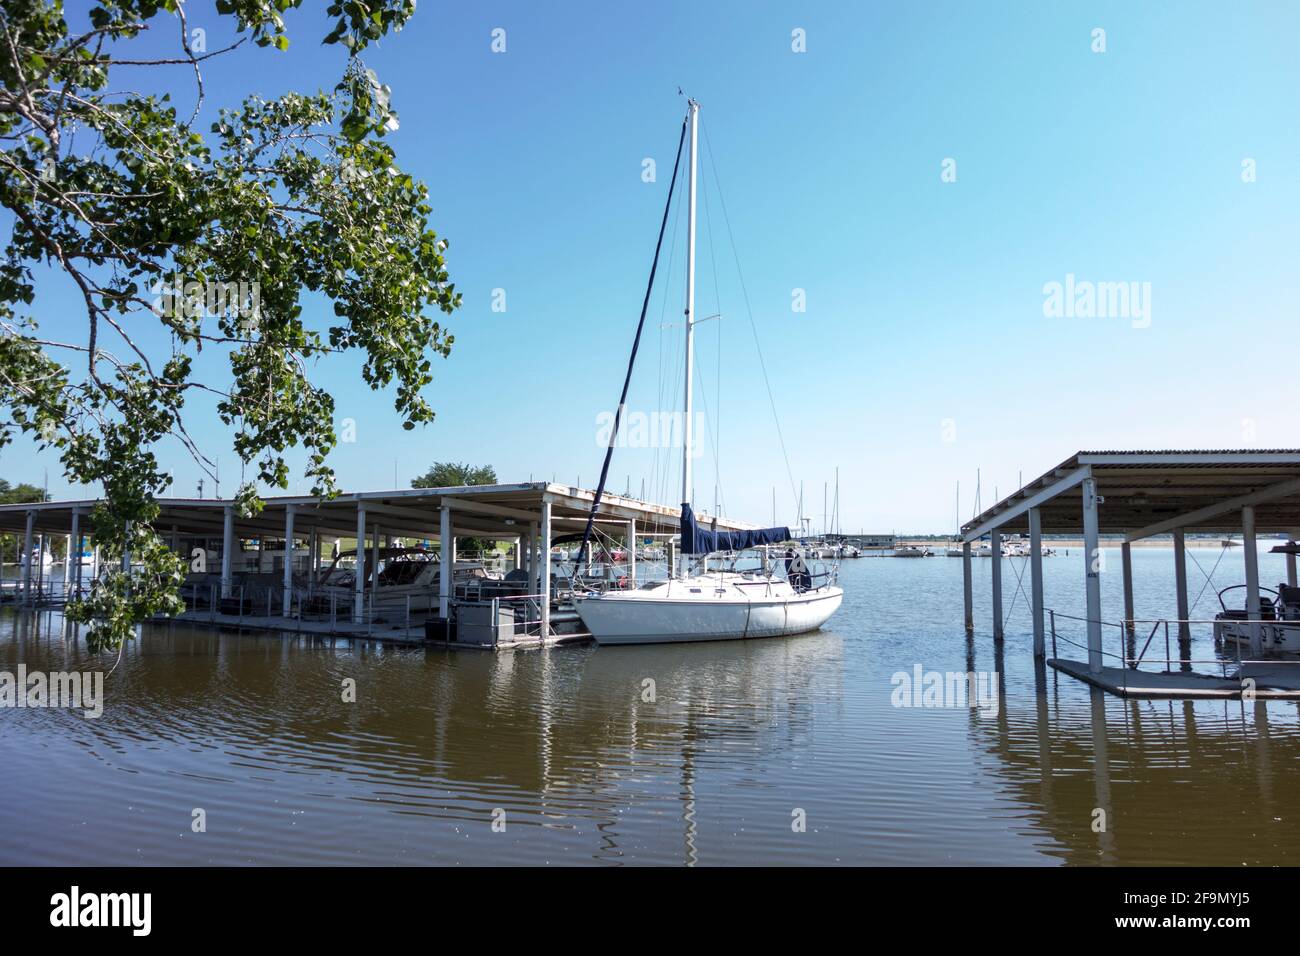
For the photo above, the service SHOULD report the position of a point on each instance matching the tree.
(212, 239)
(19, 494)
(450, 474)
(13, 495)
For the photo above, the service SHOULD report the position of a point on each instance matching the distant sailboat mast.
(693, 112)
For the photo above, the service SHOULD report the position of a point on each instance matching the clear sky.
(924, 352)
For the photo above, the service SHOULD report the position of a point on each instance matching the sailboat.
(780, 598)
(954, 548)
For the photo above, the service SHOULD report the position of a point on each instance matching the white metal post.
(535, 560)
(446, 562)
(693, 116)
(27, 557)
(967, 587)
(374, 564)
(287, 598)
(1036, 580)
(1180, 584)
(1251, 555)
(1092, 572)
(995, 544)
(546, 567)
(227, 548)
(631, 553)
(359, 582)
(1126, 568)
(72, 570)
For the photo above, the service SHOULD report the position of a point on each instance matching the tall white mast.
(693, 114)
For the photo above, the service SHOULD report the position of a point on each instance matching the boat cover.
(695, 540)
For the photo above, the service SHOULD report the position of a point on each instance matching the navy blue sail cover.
(695, 540)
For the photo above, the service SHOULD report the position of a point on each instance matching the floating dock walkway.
(293, 533)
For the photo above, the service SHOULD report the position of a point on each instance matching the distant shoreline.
(1059, 543)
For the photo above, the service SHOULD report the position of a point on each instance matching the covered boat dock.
(1138, 495)
(530, 515)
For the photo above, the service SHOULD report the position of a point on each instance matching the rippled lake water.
(743, 740)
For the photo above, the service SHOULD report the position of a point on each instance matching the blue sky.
(924, 352)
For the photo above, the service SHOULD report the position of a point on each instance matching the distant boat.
(45, 560)
(954, 549)
(910, 551)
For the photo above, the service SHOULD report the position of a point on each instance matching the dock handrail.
(1132, 663)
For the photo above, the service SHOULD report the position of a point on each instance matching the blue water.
(742, 742)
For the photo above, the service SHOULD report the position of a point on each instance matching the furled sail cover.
(695, 540)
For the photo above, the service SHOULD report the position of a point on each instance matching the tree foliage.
(20, 493)
(215, 234)
(11, 494)
(451, 474)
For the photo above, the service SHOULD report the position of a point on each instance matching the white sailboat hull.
(635, 618)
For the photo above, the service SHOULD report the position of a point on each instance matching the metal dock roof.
(1153, 492)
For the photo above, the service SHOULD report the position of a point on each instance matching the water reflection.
(589, 766)
(551, 737)
(1179, 781)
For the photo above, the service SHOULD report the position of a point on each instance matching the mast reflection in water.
(586, 761)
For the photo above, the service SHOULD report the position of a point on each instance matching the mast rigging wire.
(717, 182)
(627, 378)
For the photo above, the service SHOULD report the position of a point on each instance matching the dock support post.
(27, 557)
(227, 548)
(1290, 563)
(359, 583)
(1092, 578)
(1126, 569)
(534, 561)
(287, 597)
(1252, 578)
(546, 567)
(631, 553)
(995, 543)
(519, 553)
(1180, 584)
(72, 569)
(967, 587)
(446, 562)
(1036, 580)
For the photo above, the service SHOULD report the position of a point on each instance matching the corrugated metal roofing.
(1143, 488)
